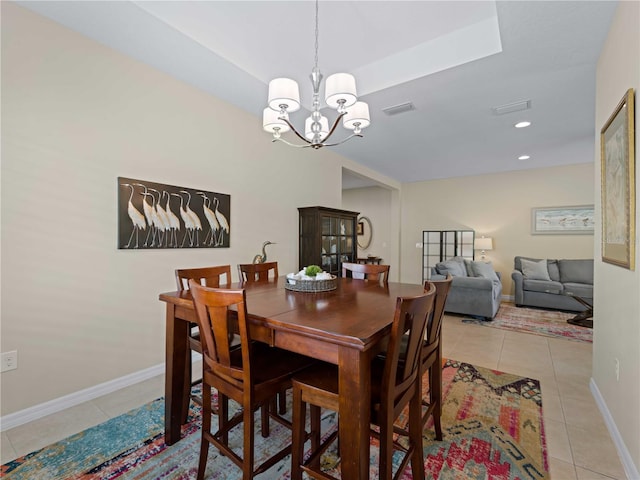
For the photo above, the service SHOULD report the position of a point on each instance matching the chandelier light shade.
(310, 125)
(272, 123)
(340, 94)
(357, 117)
(340, 91)
(284, 95)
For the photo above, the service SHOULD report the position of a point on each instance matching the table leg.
(582, 319)
(174, 384)
(355, 392)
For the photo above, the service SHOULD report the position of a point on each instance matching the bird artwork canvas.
(153, 215)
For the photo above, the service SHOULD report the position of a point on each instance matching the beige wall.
(77, 115)
(497, 206)
(380, 206)
(617, 290)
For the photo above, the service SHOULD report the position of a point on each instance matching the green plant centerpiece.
(312, 270)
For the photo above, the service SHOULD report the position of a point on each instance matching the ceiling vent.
(397, 109)
(512, 107)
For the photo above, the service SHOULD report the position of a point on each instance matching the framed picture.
(360, 229)
(618, 184)
(571, 220)
(154, 215)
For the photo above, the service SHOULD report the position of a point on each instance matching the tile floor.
(578, 442)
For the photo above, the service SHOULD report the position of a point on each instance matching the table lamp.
(483, 243)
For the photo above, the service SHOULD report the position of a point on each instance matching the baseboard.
(53, 406)
(508, 298)
(630, 468)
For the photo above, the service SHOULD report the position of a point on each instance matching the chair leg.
(282, 401)
(223, 417)
(206, 429)
(298, 434)
(435, 387)
(386, 446)
(264, 414)
(415, 436)
(247, 450)
(187, 386)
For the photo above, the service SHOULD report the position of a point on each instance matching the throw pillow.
(484, 270)
(453, 266)
(535, 270)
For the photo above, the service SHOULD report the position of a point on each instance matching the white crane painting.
(154, 215)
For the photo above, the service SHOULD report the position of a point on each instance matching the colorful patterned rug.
(492, 425)
(549, 323)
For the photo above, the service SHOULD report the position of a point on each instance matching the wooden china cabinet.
(327, 238)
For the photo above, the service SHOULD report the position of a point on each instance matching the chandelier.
(340, 94)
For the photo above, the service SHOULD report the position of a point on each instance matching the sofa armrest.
(518, 285)
(475, 283)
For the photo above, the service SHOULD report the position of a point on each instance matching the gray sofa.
(476, 288)
(549, 283)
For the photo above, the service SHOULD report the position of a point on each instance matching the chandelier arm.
(286, 120)
(334, 126)
(289, 143)
(342, 141)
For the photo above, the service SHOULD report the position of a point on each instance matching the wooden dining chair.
(257, 272)
(431, 362)
(216, 276)
(432, 355)
(250, 375)
(395, 384)
(366, 271)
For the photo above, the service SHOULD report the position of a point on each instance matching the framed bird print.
(154, 215)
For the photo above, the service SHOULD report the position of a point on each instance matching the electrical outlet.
(418, 245)
(617, 366)
(9, 360)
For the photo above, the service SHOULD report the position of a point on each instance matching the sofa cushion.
(576, 271)
(579, 289)
(543, 286)
(535, 270)
(484, 270)
(554, 272)
(552, 266)
(455, 266)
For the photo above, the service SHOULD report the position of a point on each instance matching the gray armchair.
(476, 288)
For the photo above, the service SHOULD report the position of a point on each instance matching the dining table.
(345, 326)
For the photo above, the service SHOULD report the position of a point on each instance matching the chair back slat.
(257, 272)
(371, 272)
(435, 323)
(208, 276)
(213, 310)
(405, 342)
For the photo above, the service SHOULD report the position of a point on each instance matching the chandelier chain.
(317, 34)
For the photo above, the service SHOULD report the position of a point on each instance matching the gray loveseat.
(476, 288)
(549, 283)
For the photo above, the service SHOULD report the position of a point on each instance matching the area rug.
(492, 424)
(548, 323)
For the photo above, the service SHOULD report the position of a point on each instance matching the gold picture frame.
(617, 157)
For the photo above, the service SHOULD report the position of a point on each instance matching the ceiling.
(455, 61)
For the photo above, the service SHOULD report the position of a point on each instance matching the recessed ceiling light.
(524, 157)
(522, 124)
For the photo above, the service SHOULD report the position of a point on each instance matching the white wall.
(617, 290)
(497, 206)
(76, 115)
